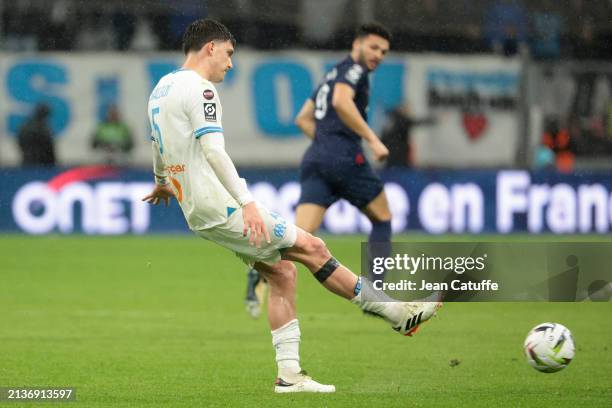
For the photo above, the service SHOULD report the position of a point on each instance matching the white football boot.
(404, 317)
(300, 383)
(413, 315)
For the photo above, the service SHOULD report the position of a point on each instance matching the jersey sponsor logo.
(210, 111)
(175, 168)
(208, 94)
(354, 74)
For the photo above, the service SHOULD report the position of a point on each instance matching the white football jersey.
(182, 108)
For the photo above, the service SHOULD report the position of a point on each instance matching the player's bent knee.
(284, 273)
(319, 249)
(380, 215)
(290, 272)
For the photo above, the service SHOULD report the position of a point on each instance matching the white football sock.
(286, 341)
(384, 306)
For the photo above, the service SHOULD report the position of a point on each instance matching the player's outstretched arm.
(213, 146)
(162, 191)
(159, 168)
(347, 111)
(305, 119)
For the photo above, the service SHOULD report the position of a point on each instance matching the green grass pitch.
(159, 321)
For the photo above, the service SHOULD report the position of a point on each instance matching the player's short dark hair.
(205, 30)
(373, 29)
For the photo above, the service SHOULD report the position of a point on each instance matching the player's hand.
(254, 223)
(160, 192)
(379, 149)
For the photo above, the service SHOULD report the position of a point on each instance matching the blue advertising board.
(107, 200)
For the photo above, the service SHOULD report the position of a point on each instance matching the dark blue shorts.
(324, 183)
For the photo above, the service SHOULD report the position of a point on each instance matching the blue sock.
(381, 237)
(357, 289)
(381, 231)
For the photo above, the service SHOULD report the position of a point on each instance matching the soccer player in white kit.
(191, 165)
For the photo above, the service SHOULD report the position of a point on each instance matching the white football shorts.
(229, 235)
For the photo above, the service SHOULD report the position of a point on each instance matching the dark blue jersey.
(332, 136)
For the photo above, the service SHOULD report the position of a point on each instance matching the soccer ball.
(549, 347)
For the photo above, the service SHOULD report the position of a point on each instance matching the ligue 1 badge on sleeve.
(208, 94)
(210, 111)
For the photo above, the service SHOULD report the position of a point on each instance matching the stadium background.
(520, 98)
(507, 85)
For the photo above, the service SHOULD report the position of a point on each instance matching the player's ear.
(209, 47)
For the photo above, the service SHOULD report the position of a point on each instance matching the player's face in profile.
(372, 50)
(222, 60)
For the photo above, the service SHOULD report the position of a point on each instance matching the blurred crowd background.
(563, 104)
(547, 29)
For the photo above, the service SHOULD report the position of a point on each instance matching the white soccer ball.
(549, 347)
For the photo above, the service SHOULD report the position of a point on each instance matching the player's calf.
(281, 278)
(312, 252)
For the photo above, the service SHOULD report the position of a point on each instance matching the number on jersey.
(321, 102)
(157, 130)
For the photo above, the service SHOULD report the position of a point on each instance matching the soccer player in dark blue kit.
(334, 166)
